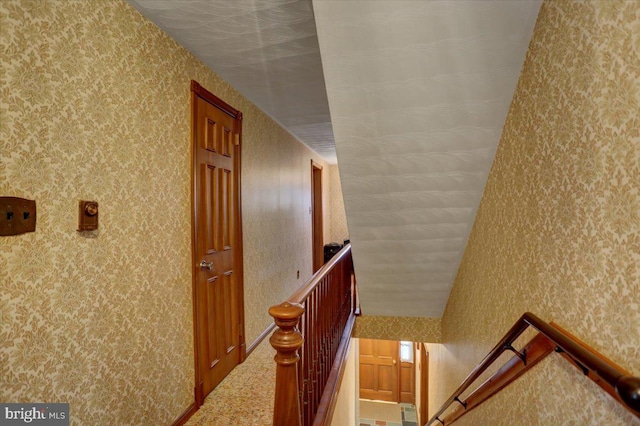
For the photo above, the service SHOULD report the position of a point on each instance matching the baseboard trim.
(260, 338)
(186, 415)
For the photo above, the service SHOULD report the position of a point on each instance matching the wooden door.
(217, 240)
(379, 370)
(316, 209)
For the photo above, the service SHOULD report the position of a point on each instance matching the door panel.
(229, 329)
(386, 376)
(217, 250)
(366, 377)
(213, 302)
(226, 190)
(208, 188)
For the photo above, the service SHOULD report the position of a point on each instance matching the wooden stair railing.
(550, 338)
(311, 340)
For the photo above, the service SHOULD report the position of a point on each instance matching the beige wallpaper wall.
(415, 329)
(558, 229)
(95, 105)
(339, 229)
(346, 407)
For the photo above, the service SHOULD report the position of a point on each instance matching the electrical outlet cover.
(17, 216)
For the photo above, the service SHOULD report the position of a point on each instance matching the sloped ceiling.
(266, 49)
(418, 93)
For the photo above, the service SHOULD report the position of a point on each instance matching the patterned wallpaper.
(339, 229)
(95, 104)
(558, 229)
(398, 328)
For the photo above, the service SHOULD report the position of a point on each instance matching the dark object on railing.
(627, 388)
(328, 304)
(331, 250)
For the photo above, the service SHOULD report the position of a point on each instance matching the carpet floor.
(245, 396)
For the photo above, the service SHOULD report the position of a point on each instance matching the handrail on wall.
(627, 388)
(311, 340)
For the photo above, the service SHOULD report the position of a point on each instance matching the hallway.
(95, 107)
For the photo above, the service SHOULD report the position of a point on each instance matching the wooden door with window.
(407, 379)
(217, 240)
(379, 369)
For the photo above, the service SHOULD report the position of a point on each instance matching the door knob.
(206, 266)
(394, 362)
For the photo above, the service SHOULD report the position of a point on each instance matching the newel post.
(286, 340)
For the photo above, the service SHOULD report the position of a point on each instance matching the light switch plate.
(17, 216)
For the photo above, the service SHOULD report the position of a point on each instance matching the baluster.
(327, 353)
(316, 350)
(327, 332)
(312, 399)
(286, 340)
(332, 331)
(309, 356)
(303, 365)
(318, 366)
(323, 340)
(306, 359)
(325, 329)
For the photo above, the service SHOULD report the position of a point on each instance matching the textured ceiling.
(418, 92)
(267, 49)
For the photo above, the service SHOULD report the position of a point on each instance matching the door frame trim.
(424, 383)
(317, 259)
(198, 91)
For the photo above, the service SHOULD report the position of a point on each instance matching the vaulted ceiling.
(266, 49)
(418, 92)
